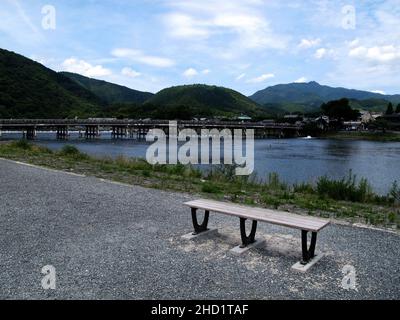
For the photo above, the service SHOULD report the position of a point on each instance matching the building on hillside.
(366, 116)
(322, 122)
(353, 125)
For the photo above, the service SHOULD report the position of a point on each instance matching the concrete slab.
(304, 268)
(239, 251)
(191, 236)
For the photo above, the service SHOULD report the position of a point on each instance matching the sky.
(246, 45)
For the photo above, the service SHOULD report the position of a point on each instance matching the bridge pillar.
(91, 132)
(142, 133)
(118, 132)
(62, 133)
(29, 133)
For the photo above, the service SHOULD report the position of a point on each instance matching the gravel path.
(109, 241)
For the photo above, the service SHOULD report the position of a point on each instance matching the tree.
(340, 109)
(389, 109)
(381, 124)
(398, 108)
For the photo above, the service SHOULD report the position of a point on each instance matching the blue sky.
(246, 45)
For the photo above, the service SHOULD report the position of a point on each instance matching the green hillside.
(202, 101)
(110, 93)
(30, 90)
(309, 96)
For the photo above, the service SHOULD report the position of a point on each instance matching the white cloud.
(129, 72)
(240, 76)
(84, 68)
(261, 78)
(301, 80)
(324, 53)
(194, 20)
(139, 56)
(379, 91)
(185, 26)
(380, 54)
(190, 73)
(206, 71)
(354, 43)
(309, 43)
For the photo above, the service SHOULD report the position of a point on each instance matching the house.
(322, 122)
(353, 125)
(366, 116)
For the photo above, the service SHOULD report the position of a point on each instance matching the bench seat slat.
(272, 214)
(263, 215)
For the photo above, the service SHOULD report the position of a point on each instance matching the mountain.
(203, 101)
(30, 90)
(308, 96)
(108, 92)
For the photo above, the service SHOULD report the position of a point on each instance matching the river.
(295, 160)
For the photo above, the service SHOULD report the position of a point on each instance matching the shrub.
(395, 193)
(209, 187)
(303, 187)
(146, 173)
(345, 188)
(22, 144)
(274, 182)
(73, 152)
(271, 201)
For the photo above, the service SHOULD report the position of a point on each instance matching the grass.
(346, 199)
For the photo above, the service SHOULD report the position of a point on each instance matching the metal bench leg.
(198, 228)
(247, 240)
(308, 253)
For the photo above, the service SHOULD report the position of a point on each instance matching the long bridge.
(128, 128)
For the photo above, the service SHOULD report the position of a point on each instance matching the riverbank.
(345, 199)
(369, 136)
(110, 241)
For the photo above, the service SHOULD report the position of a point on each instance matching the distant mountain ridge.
(109, 92)
(311, 95)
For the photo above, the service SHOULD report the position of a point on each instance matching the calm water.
(295, 160)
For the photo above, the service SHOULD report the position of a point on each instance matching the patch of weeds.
(210, 187)
(72, 152)
(21, 144)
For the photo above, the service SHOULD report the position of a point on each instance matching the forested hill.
(203, 100)
(109, 92)
(312, 94)
(30, 90)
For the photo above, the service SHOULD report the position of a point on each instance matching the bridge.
(129, 128)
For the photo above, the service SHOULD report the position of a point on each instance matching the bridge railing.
(131, 122)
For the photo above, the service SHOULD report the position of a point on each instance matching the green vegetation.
(109, 93)
(345, 189)
(339, 109)
(365, 135)
(346, 199)
(389, 109)
(190, 101)
(308, 97)
(30, 90)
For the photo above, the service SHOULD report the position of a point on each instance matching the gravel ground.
(110, 241)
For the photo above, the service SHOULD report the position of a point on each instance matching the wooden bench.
(305, 224)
